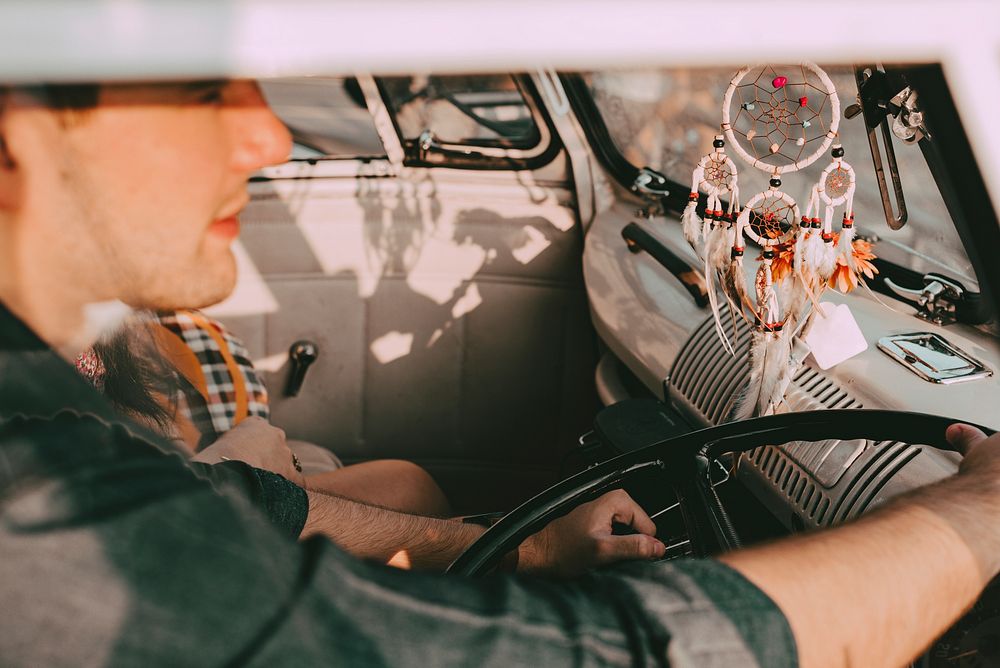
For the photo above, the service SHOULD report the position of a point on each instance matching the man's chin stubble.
(190, 290)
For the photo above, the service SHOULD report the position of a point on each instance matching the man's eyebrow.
(199, 86)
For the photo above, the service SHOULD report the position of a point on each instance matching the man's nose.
(261, 139)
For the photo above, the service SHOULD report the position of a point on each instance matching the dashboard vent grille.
(708, 376)
(809, 476)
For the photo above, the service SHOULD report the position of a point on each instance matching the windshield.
(666, 119)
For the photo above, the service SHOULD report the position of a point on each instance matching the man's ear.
(10, 176)
(6, 160)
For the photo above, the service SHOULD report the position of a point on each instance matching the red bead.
(693, 196)
(778, 82)
(803, 101)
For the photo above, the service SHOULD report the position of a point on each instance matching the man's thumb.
(963, 436)
(634, 546)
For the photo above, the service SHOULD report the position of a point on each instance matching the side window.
(327, 117)
(473, 121)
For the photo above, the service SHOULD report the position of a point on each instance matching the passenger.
(112, 552)
(131, 367)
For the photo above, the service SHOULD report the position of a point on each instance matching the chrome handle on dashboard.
(937, 301)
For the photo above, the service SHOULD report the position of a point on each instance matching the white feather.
(771, 369)
(735, 287)
(792, 294)
(827, 261)
(716, 255)
(692, 224)
(812, 250)
(845, 247)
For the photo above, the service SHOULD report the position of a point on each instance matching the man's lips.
(227, 227)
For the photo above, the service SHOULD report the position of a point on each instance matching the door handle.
(639, 239)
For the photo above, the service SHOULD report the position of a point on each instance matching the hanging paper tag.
(835, 336)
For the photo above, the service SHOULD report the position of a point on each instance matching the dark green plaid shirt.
(114, 550)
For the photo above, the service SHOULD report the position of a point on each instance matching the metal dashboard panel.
(803, 484)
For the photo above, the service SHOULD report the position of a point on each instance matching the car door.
(425, 237)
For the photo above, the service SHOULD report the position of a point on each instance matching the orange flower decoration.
(781, 265)
(843, 278)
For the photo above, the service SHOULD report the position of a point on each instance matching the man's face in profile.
(136, 199)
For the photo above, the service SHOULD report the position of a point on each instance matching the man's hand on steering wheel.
(977, 453)
(583, 539)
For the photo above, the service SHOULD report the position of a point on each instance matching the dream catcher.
(717, 177)
(778, 120)
(829, 259)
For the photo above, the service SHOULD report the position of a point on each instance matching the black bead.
(718, 143)
(838, 152)
(768, 254)
(775, 183)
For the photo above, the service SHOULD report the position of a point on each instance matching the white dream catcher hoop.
(780, 118)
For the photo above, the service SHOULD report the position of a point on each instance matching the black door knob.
(301, 354)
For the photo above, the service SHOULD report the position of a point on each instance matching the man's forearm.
(369, 532)
(877, 591)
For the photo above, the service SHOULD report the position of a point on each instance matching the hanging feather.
(691, 222)
(770, 371)
(733, 278)
(827, 258)
(717, 252)
(845, 245)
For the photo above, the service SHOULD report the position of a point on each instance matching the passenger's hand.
(258, 443)
(583, 539)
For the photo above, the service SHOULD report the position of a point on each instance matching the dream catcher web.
(771, 220)
(783, 121)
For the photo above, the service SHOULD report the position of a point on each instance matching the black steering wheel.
(685, 460)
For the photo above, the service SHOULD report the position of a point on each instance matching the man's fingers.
(627, 511)
(963, 436)
(626, 548)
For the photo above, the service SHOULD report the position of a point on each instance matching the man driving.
(115, 550)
